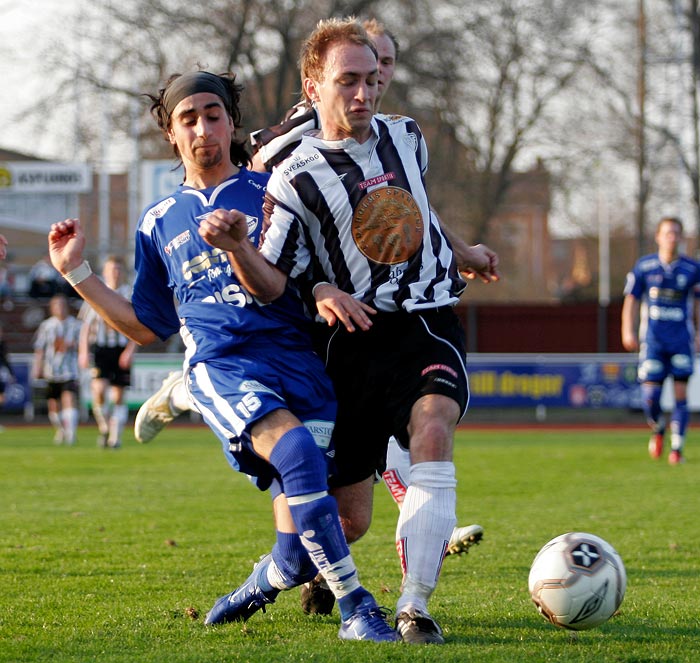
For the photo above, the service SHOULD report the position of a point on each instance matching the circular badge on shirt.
(387, 225)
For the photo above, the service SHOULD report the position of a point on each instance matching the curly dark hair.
(239, 153)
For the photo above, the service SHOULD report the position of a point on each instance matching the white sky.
(26, 27)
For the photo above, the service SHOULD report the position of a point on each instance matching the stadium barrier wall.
(497, 381)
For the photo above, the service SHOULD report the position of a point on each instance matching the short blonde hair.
(328, 32)
(376, 29)
(669, 219)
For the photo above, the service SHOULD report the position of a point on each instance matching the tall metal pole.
(694, 18)
(603, 272)
(103, 210)
(642, 175)
(105, 194)
(134, 175)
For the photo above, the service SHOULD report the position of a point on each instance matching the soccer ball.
(577, 581)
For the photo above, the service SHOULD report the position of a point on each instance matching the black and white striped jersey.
(358, 216)
(275, 143)
(58, 341)
(101, 334)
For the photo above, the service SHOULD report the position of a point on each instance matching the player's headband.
(192, 83)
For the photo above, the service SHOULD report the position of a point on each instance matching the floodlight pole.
(603, 272)
(134, 179)
(104, 200)
(642, 174)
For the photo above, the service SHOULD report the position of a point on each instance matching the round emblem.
(387, 225)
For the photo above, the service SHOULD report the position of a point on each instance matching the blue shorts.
(232, 393)
(656, 363)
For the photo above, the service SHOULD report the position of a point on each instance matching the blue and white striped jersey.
(184, 284)
(667, 293)
(358, 216)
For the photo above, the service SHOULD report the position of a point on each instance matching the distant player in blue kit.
(659, 320)
(250, 368)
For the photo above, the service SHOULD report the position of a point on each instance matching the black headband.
(192, 83)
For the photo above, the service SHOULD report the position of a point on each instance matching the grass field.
(115, 556)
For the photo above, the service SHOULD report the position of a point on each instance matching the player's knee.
(682, 365)
(355, 507)
(355, 526)
(300, 463)
(432, 442)
(354, 519)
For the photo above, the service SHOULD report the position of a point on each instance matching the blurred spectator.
(56, 361)
(43, 279)
(7, 374)
(6, 281)
(6, 277)
(108, 354)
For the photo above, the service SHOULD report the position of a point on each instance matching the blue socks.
(651, 403)
(302, 468)
(292, 561)
(679, 425)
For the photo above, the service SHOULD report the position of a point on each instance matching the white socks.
(424, 529)
(119, 416)
(179, 398)
(69, 421)
(398, 468)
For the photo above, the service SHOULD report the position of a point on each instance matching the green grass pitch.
(115, 556)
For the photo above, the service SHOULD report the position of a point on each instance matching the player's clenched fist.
(66, 244)
(224, 229)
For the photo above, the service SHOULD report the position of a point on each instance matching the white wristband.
(79, 274)
(320, 283)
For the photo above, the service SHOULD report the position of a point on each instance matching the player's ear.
(310, 90)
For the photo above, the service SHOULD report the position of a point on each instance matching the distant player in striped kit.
(250, 368)
(349, 208)
(56, 361)
(109, 355)
(660, 317)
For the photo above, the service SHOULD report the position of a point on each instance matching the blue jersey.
(184, 284)
(667, 293)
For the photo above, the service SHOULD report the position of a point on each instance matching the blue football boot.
(241, 604)
(368, 622)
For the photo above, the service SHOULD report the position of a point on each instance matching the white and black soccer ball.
(577, 581)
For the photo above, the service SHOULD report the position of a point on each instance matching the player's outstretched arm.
(630, 313)
(66, 246)
(473, 262)
(84, 346)
(228, 230)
